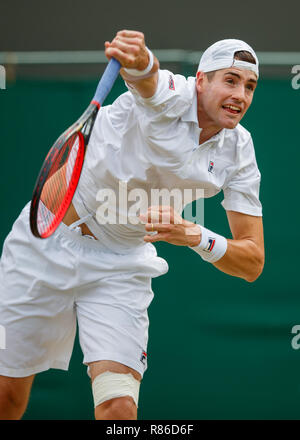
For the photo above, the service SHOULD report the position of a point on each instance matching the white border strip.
(164, 56)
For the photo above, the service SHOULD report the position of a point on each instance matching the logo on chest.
(211, 167)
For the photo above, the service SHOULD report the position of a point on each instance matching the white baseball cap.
(220, 55)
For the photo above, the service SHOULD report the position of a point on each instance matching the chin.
(230, 124)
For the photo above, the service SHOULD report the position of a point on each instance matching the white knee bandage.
(110, 385)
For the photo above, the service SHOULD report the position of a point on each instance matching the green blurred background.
(219, 348)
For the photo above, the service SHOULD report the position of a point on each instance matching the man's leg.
(119, 408)
(14, 396)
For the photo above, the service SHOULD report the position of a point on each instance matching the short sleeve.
(241, 193)
(171, 99)
(166, 139)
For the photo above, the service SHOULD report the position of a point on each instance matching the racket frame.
(86, 120)
(84, 126)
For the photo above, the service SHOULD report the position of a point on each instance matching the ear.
(199, 80)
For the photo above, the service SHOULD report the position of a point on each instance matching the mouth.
(233, 109)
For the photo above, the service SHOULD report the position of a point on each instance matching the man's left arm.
(241, 257)
(245, 254)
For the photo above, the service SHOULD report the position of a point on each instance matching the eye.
(250, 87)
(229, 80)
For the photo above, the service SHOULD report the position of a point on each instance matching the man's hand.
(129, 48)
(170, 227)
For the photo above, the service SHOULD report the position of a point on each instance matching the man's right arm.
(129, 48)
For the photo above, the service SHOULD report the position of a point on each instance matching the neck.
(207, 133)
(209, 128)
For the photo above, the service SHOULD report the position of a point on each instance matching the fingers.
(163, 223)
(129, 40)
(130, 34)
(161, 214)
(126, 59)
(156, 214)
(158, 227)
(163, 236)
(128, 47)
(158, 223)
(132, 45)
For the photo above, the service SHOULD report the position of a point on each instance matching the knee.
(120, 408)
(115, 396)
(12, 405)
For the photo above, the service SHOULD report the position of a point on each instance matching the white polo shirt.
(154, 143)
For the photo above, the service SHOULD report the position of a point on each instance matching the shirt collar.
(191, 116)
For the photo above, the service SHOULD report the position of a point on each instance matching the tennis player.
(166, 131)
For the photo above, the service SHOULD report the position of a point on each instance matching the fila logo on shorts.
(171, 83)
(210, 244)
(143, 357)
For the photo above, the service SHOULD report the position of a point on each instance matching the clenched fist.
(129, 48)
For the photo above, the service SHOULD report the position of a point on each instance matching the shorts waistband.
(75, 234)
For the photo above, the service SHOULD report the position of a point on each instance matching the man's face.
(223, 101)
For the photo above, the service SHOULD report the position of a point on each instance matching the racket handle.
(107, 80)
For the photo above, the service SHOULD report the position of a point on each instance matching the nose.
(239, 93)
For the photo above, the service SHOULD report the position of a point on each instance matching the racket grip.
(107, 80)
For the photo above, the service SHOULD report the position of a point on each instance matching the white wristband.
(212, 246)
(135, 72)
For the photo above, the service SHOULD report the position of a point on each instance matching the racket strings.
(58, 184)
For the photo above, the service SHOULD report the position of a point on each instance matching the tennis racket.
(60, 172)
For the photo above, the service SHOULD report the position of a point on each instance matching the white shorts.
(47, 285)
